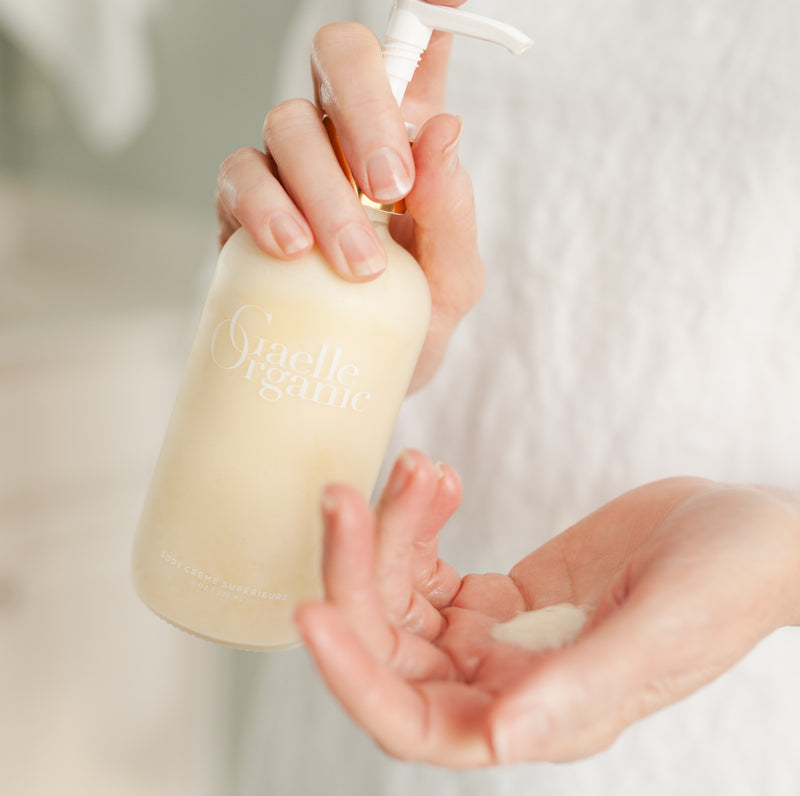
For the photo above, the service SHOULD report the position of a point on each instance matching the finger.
(353, 89)
(446, 500)
(433, 578)
(401, 513)
(375, 697)
(349, 579)
(348, 561)
(583, 743)
(438, 722)
(296, 139)
(443, 237)
(249, 196)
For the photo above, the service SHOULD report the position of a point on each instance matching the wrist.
(794, 504)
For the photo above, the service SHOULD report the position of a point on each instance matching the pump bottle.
(294, 381)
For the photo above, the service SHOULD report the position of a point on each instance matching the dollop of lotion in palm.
(544, 629)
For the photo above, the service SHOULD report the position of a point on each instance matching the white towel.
(96, 52)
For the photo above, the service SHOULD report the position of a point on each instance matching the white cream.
(543, 629)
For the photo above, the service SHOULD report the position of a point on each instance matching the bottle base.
(225, 642)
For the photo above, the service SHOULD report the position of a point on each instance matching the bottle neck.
(378, 217)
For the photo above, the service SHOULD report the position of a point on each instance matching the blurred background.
(114, 118)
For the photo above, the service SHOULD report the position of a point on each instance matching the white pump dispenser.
(410, 28)
(294, 380)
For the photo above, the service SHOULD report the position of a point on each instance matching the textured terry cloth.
(97, 53)
(638, 185)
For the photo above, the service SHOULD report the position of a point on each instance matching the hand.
(294, 192)
(682, 578)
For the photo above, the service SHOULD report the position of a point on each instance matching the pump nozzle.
(409, 31)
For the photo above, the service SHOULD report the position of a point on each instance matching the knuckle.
(241, 185)
(230, 178)
(411, 618)
(287, 117)
(230, 165)
(250, 204)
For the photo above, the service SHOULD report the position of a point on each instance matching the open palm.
(682, 577)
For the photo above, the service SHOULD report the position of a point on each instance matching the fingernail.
(288, 234)
(439, 467)
(404, 468)
(388, 176)
(450, 152)
(363, 254)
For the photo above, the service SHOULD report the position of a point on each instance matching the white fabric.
(638, 184)
(97, 53)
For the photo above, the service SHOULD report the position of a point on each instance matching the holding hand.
(293, 193)
(682, 577)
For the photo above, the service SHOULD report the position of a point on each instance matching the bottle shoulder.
(244, 268)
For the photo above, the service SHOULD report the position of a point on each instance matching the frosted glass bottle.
(294, 380)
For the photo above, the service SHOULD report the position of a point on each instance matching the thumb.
(443, 237)
(628, 664)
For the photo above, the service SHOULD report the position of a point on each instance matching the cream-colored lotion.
(543, 629)
(294, 381)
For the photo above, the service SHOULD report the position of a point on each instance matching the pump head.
(410, 28)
